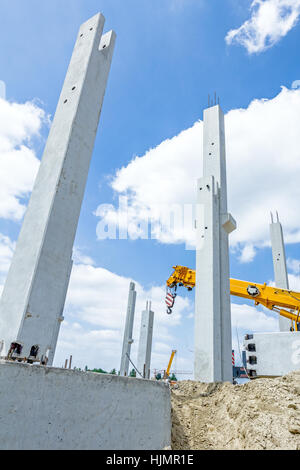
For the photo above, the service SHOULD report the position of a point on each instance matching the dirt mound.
(262, 414)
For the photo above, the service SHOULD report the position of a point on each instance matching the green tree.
(158, 376)
(132, 373)
(113, 372)
(173, 377)
(99, 371)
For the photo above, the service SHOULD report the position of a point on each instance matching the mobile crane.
(273, 298)
(167, 373)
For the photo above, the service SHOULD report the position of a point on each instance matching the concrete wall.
(49, 408)
(275, 354)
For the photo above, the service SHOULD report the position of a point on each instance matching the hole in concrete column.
(212, 143)
(104, 46)
(206, 228)
(252, 360)
(91, 29)
(74, 87)
(81, 35)
(209, 153)
(34, 350)
(207, 186)
(65, 101)
(15, 348)
(200, 189)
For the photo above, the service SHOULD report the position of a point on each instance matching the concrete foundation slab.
(49, 408)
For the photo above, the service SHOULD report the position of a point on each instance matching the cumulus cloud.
(263, 163)
(270, 21)
(19, 124)
(95, 312)
(253, 319)
(247, 254)
(95, 318)
(293, 265)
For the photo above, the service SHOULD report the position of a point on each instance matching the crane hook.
(170, 300)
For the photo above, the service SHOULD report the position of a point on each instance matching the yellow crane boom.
(170, 363)
(272, 298)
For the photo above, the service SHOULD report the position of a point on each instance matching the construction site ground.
(261, 414)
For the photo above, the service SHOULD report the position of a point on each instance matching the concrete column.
(34, 293)
(213, 343)
(279, 263)
(127, 340)
(145, 342)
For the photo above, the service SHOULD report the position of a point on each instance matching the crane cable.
(134, 365)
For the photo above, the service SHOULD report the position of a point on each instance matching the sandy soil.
(262, 414)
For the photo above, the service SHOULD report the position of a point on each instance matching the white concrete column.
(213, 343)
(33, 298)
(279, 264)
(127, 340)
(145, 342)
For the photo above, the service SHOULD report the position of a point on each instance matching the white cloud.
(253, 319)
(95, 312)
(263, 164)
(80, 258)
(19, 124)
(95, 318)
(270, 21)
(247, 254)
(95, 315)
(293, 265)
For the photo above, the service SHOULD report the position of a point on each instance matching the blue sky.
(169, 55)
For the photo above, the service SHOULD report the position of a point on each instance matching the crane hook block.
(170, 300)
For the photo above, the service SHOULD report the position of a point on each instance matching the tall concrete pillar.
(127, 340)
(279, 263)
(34, 294)
(213, 343)
(145, 342)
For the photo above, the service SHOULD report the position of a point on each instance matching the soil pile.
(261, 414)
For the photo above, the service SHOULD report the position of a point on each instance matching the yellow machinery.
(272, 298)
(167, 373)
